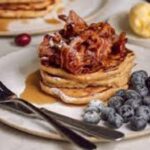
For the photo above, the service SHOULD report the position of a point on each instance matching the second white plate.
(88, 10)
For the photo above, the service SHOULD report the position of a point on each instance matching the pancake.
(80, 96)
(30, 11)
(116, 80)
(61, 83)
(79, 92)
(26, 6)
(101, 74)
(19, 1)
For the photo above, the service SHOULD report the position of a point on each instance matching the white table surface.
(11, 139)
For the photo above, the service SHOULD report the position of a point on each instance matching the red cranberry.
(23, 39)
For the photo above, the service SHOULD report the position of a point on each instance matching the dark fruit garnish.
(96, 103)
(91, 117)
(105, 113)
(91, 109)
(134, 95)
(23, 39)
(115, 102)
(142, 90)
(115, 120)
(133, 103)
(138, 77)
(121, 93)
(127, 112)
(143, 111)
(138, 123)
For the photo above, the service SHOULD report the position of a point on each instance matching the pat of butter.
(139, 19)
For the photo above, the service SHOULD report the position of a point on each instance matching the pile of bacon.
(81, 48)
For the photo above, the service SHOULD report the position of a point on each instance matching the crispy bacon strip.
(79, 48)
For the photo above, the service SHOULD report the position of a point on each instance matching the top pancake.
(28, 9)
(101, 74)
(20, 1)
(26, 6)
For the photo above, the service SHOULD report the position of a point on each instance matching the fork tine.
(5, 92)
(4, 88)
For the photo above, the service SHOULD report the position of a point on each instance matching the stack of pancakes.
(80, 89)
(26, 8)
(87, 82)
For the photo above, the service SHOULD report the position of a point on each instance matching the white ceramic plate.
(120, 23)
(88, 9)
(16, 66)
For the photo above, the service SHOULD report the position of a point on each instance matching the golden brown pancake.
(101, 74)
(114, 80)
(29, 10)
(26, 6)
(80, 96)
(19, 1)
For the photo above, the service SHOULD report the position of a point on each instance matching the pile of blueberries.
(131, 106)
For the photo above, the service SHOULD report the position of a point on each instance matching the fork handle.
(65, 131)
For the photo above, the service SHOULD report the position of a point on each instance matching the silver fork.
(93, 130)
(65, 131)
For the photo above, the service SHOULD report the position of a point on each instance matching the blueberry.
(138, 123)
(90, 109)
(146, 100)
(115, 102)
(91, 117)
(138, 77)
(143, 73)
(121, 93)
(105, 113)
(148, 83)
(134, 95)
(115, 120)
(133, 103)
(142, 90)
(127, 112)
(96, 103)
(143, 111)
